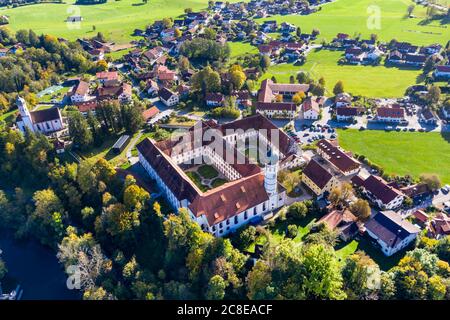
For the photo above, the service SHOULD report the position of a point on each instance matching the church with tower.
(48, 121)
(250, 191)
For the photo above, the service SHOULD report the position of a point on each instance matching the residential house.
(310, 108)
(354, 55)
(420, 217)
(391, 114)
(428, 116)
(417, 60)
(338, 158)
(214, 99)
(342, 100)
(347, 114)
(150, 113)
(80, 92)
(107, 76)
(318, 179)
(391, 231)
(121, 92)
(439, 226)
(382, 194)
(152, 87)
(243, 98)
(343, 221)
(168, 97)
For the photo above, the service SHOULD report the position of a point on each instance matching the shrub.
(292, 231)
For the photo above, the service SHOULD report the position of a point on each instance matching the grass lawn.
(195, 177)
(353, 17)
(104, 151)
(241, 48)
(9, 116)
(218, 182)
(58, 95)
(207, 172)
(370, 81)
(402, 153)
(116, 19)
(343, 250)
(44, 107)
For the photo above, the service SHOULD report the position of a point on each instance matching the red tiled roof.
(230, 199)
(82, 88)
(391, 112)
(420, 215)
(150, 113)
(108, 75)
(87, 106)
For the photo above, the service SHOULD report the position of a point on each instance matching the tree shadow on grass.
(446, 135)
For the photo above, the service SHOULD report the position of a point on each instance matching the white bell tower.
(271, 174)
(24, 113)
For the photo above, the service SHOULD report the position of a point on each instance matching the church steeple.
(271, 173)
(24, 113)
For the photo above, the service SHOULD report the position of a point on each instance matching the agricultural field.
(370, 81)
(402, 153)
(360, 17)
(116, 19)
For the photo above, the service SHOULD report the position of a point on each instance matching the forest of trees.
(132, 247)
(42, 64)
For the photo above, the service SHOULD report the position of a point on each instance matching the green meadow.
(402, 153)
(361, 17)
(370, 81)
(116, 19)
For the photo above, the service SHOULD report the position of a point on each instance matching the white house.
(80, 92)
(168, 97)
(379, 192)
(310, 109)
(392, 114)
(391, 231)
(342, 100)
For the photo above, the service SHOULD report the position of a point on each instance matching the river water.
(35, 268)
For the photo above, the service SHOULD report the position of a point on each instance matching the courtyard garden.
(206, 177)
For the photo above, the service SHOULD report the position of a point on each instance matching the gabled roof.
(347, 112)
(317, 174)
(107, 75)
(173, 177)
(379, 188)
(337, 157)
(82, 88)
(230, 199)
(45, 115)
(390, 227)
(150, 113)
(166, 94)
(391, 112)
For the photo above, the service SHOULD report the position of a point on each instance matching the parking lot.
(307, 134)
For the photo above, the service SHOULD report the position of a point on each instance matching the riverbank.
(35, 268)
